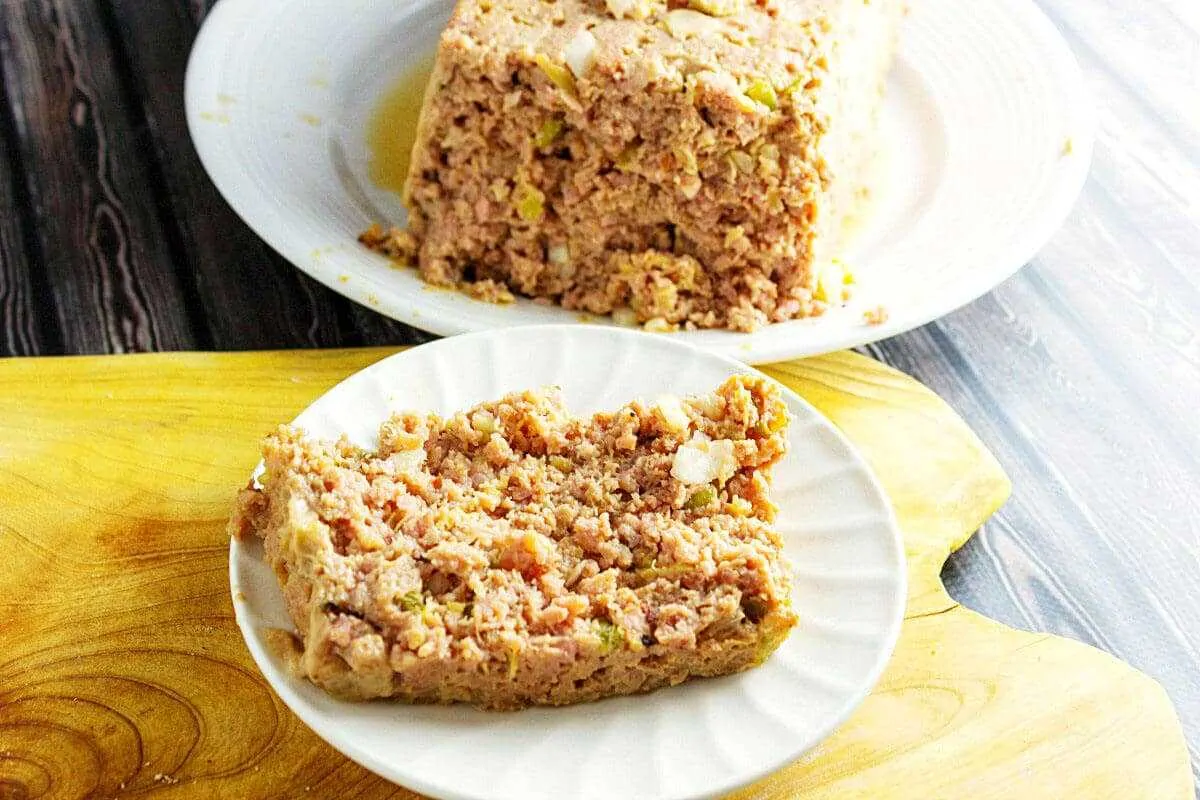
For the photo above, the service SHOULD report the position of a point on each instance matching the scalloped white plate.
(976, 176)
(701, 738)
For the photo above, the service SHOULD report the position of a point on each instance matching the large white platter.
(694, 740)
(988, 130)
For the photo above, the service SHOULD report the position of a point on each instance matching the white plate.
(981, 104)
(701, 738)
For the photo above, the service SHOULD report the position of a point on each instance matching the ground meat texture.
(679, 165)
(514, 555)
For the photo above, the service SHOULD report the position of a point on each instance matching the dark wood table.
(1082, 373)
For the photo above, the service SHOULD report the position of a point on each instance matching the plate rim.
(317, 721)
(220, 26)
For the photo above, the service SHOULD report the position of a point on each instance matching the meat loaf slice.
(514, 555)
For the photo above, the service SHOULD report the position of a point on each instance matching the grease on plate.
(392, 128)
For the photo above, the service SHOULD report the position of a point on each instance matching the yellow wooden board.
(122, 671)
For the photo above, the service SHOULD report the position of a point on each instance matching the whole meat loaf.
(514, 555)
(678, 163)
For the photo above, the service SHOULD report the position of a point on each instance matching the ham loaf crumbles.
(515, 555)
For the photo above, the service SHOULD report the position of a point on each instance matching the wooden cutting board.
(122, 672)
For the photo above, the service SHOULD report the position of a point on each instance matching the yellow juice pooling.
(393, 127)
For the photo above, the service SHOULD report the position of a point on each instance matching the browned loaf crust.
(513, 555)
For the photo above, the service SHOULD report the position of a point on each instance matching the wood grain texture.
(102, 243)
(124, 671)
(22, 327)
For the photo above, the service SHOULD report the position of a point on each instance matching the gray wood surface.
(1082, 373)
